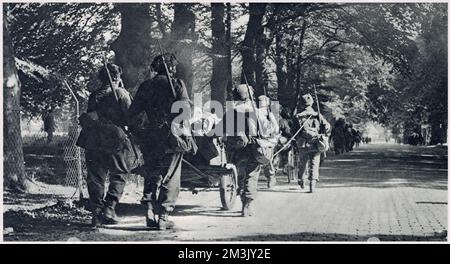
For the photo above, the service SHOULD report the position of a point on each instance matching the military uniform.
(247, 147)
(244, 148)
(162, 163)
(348, 137)
(108, 150)
(269, 132)
(338, 136)
(314, 125)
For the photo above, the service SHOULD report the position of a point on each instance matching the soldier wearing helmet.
(269, 133)
(243, 143)
(108, 149)
(310, 142)
(162, 161)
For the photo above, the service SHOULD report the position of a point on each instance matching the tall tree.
(229, 44)
(13, 162)
(220, 75)
(182, 41)
(248, 48)
(133, 46)
(264, 40)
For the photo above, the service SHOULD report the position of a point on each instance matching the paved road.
(377, 192)
(386, 192)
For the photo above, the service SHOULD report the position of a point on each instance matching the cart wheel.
(228, 190)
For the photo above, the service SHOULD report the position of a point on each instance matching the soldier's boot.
(109, 212)
(301, 183)
(150, 219)
(312, 186)
(247, 208)
(96, 217)
(164, 223)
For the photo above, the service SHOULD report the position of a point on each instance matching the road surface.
(381, 192)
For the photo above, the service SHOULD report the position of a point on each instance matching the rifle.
(168, 74)
(117, 100)
(318, 111)
(318, 108)
(258, 122)
(167, 70)
(317, 100)
(177, 157)
(110, 80)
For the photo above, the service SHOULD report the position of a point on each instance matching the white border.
(206, 241)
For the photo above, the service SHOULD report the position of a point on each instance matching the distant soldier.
(338, 136)
(270, 132)
(49, 125)
(354, 137)
(286, 129)
(348, 137)
(162, 150)
(311, 142)
(358, 138)
(108, 149)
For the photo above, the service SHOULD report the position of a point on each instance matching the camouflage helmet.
(308, 99)
(158, 62)
(263, 101)
(242, 91)
(114, 70)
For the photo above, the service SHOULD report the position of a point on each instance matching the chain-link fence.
(51, 155)
(52, 158)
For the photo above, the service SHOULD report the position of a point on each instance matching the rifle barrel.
(110, 79)
(317, 100)
(167, 69)
(253, 104)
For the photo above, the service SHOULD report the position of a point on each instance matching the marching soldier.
(311, 142)
(338, 136)
(246, 145)
(162, 151)
(348, 137)
(108, 149)
(269, 131)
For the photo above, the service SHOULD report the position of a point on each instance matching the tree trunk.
(261, 77)
(289, 96)
(299, 64)
(133, 46)
(263, 42)
(229, 45)
(13, 162)
(280, 52)
(182, 41)
(248, 49)
(220, 75)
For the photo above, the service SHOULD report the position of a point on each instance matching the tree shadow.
(388, 167)
(136, 209)
(29, 227)
(309, 236)
(29, 198)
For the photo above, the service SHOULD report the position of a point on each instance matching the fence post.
(77, 149)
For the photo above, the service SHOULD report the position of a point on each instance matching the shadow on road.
(307, 236)
(387, 166)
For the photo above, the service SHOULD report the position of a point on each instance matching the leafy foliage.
(65, 39)
(370, 62)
